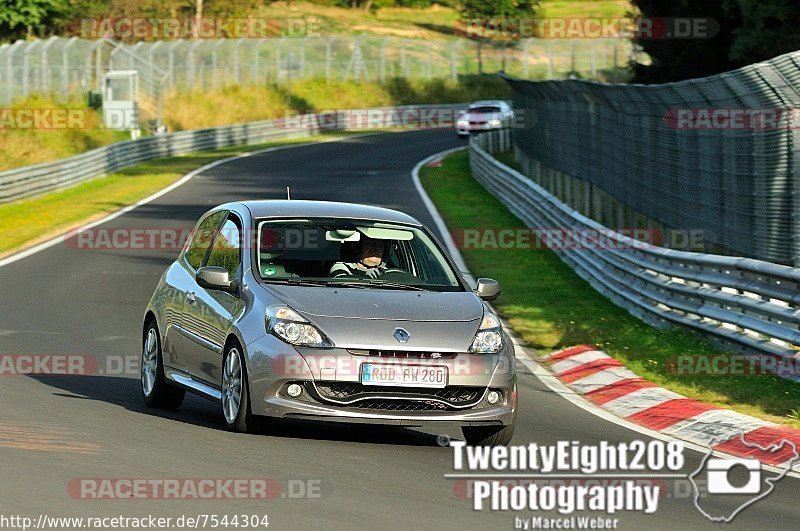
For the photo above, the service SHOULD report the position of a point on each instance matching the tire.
(234, 385)
(490, 435)
(157, 393)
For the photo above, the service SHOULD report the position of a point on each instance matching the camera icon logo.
(725, 486)
(718, 476)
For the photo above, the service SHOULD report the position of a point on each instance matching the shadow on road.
(126, 392)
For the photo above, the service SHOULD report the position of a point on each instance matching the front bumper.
(289, 408)
(465, 129)
(463, 401)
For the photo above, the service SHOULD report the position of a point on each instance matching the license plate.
(403, 375)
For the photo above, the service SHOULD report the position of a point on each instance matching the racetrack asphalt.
(57, 429)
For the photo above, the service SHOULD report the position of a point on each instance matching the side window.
(201, 240)
(226, 250)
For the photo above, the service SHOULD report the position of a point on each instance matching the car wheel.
(155, 389)
(235, 392)
(490, 436)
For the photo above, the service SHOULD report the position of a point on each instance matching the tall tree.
(674, 59)
(491, 16)
(766, 29)
(30, 17)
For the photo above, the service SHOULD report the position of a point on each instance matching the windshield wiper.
(362, 284)
(376, 282)
(296, 281)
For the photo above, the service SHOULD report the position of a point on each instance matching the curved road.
(57, 429)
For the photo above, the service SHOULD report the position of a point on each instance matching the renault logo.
(401, 335)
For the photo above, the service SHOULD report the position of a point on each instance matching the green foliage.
(750, 31)
(766, 29)
(677, 59)
(551, 307)
(486, 9)
(20, 17)
(469, 88)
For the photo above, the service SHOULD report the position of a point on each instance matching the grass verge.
(29, 221)
(199, 109)
(551, 307)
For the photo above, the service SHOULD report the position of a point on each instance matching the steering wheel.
(398, 275)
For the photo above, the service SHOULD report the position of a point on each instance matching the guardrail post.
(328, 58)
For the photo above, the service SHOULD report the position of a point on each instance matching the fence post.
(236, 65)
(65, 65)
(526, 57)
(587, 199)
(214, 75)
(328, 54)
(453, 59)
(98, 68)
(572, 58)
(46, 77)
(277, 65)
(171, 69)
(429, 65)
(383, 61)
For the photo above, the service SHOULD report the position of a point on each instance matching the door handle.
(190, 297)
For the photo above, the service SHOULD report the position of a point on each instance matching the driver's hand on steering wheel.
(373, 273)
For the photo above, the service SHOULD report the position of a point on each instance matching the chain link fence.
(746, 305)
(68, 67)
(716, 154)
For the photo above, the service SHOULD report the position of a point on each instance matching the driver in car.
(370, 262)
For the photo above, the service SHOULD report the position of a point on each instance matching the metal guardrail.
(39, 178)
(717, 154)
(748, 305)
(70, 66)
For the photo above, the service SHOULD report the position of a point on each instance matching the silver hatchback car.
(328, 311)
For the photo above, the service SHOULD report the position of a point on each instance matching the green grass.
(236, 104)
(434, 22)
(551, 307)
(585, 8)
(28, 221)
(21, 147)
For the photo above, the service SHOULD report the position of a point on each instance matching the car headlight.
(489, 339)
(494, 122)
(463, 123)
(290, 326)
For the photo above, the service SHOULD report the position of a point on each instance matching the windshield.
(353, 253)
(484, 110)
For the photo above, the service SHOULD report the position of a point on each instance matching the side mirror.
(488, 289)
(213, 277)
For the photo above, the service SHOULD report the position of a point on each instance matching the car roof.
(282, 208)
(487, 103)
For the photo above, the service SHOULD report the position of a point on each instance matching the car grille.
(403, 354)
(400, 405)
(396, 398)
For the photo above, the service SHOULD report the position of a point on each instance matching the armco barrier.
(718, 154)
(748, 305)
(31, 180)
